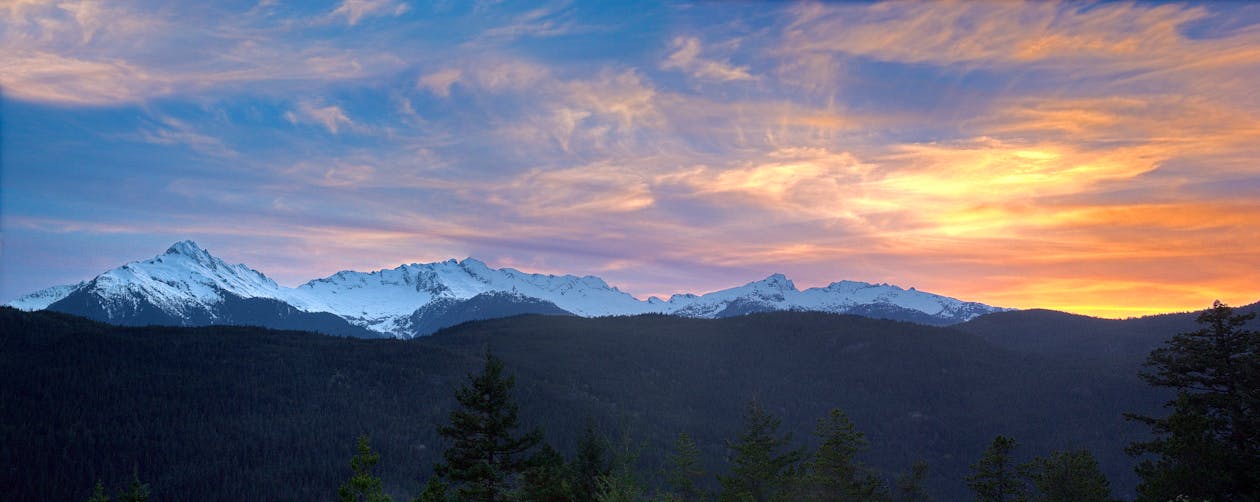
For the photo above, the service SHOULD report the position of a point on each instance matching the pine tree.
(909, 485)
(622, 483)
(486, 455)
(994, 478)
(547, 478)
(760, 470)
(362, 485)
(1068, 476)
(137, 492)
(685, 469)
(434, 491)
(1209, 446)
(98, 494)
(591, 464)
(833, 474)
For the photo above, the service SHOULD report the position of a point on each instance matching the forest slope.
(231, 412)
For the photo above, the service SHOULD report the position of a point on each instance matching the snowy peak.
(474, 266)
(41, 299)
(384, 300)
(187, 282)
(184, 277)
(775, 282)
(777, 292)
(189, 249)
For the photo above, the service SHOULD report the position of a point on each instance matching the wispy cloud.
(43, 76)
(355, 10)
(686, 58)
(173, 131)
(332, 117)
(547, 21)
(93, 53)
(440, 82)
(607, 110)
(1121, 36)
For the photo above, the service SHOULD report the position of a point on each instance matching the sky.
(1096, 158)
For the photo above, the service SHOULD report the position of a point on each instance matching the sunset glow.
(1101, 159)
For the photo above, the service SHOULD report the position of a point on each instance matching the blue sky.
(1097, 158)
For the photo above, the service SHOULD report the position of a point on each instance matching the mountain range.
(187, 286)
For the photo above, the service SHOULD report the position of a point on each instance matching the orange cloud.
(576, 192)
(1123, 36)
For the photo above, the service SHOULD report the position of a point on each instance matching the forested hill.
(245, 413)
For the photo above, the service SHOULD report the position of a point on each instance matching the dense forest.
(248, 413)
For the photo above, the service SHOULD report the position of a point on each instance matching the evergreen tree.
(362, 485)
(685, 470)
(434, 491)
(486, 454)
(98, 494)
(833, 474)
(591, 464)
(909, 485)
(137, 492)
(994, 478)
(1068, 476)
(547, 478)
(760, 468)
(622, 483)
(1209, 446)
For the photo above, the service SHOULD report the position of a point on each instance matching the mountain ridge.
(186, 285)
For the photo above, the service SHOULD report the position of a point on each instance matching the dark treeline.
(245, 413)
(222, 413)
(1207, 448)
(489, 459)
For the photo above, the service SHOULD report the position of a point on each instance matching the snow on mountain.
(771, 293)
(41, 299)
(777, 292)
(186, 279)
(184, 276)
(383, 300)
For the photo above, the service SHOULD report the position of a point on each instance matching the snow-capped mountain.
(384, 300)
(188, 286)
(182, 279)
(41, 299)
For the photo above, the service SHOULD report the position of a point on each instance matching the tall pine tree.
(684, 470)
(1068, 476)
(760, 469)
(834, 474)
(908, 487)
(622, 483)
(592, 463)
(137, 492)
(434, 491)
(98, 493)
(547, 478)
(362, 485)
(1209, 446)
(486, 454)
(994, 477)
